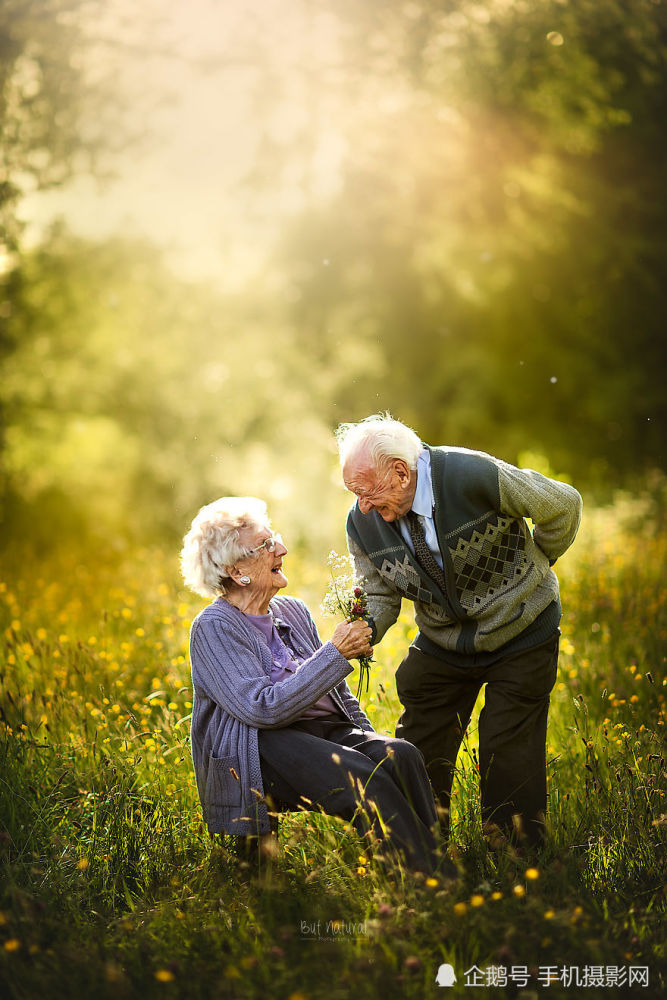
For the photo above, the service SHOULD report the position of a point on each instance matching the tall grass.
(112, 887)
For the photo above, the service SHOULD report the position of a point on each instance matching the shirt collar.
(423, 501)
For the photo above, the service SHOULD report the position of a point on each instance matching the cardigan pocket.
(223, 783)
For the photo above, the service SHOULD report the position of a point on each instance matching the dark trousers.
(438, 700)
(378, 783)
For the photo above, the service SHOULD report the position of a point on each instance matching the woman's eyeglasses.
(269, 544)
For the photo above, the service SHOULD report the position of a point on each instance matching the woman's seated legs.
(404, 763)
(304, 770)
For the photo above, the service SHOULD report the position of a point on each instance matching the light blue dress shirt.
(422, 505)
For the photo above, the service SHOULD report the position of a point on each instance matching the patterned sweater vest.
(497, 572)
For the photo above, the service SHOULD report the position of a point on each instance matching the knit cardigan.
(497, 572)
(234, 697)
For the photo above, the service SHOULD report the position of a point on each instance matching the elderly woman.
(272, 714)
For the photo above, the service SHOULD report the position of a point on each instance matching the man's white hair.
(213, 545)
(381, 438)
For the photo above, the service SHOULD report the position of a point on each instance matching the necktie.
(423, 553)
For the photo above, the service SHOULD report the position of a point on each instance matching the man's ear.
(402, 471)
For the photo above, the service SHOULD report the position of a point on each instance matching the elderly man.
(446, 528)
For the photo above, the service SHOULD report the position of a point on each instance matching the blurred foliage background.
(453, 210)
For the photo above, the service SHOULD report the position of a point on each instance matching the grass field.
(112, 888)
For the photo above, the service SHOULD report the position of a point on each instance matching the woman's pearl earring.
(244, 580)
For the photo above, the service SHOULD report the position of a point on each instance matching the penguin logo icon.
(445, 976)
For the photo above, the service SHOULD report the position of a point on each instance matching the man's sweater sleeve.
(553, 507)
(384, 603)
(226, 666)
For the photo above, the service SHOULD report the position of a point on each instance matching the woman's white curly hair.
(213, 545)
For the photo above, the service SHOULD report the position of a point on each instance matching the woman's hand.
(352, 639)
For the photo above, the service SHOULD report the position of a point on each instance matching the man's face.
(389, 489)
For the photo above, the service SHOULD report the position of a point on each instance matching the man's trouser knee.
(437, 702)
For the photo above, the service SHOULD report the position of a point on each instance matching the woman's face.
(263, 567)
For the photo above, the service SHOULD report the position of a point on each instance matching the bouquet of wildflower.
(347, 598)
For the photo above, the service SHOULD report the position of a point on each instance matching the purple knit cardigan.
(234, 697)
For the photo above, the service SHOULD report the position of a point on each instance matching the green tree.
(55, 111)
(498, 238)
(134, 397)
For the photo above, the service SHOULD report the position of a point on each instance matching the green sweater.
(498, 573)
